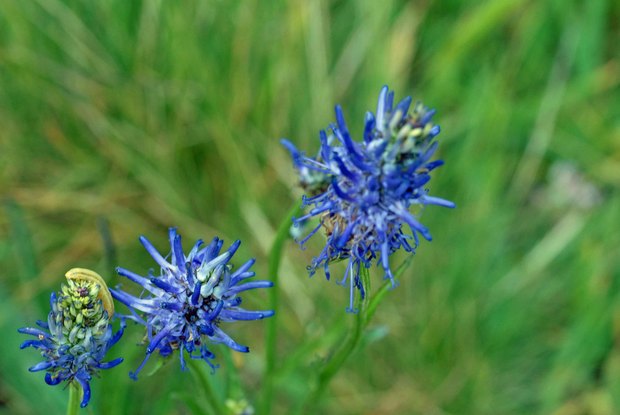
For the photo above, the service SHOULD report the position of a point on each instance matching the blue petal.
(249, 286)
(381, 104)
(41, 366)
(246, 315)
(138, 279)
(178, 258)
(156, 340)
(52, 380)
(31, 343)
(158, 282)
(430, 200)
(33, 331)
(110, 364)
(222, 337)
(154, 253)
(85, 391)
(290, 147)
(403, 106)
(236, 276)
(427, 117)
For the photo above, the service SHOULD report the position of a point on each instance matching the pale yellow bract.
(83, 274)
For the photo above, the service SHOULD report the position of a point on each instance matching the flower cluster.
(362, 191)
(77, 334)
(193, 294)
(366, 195)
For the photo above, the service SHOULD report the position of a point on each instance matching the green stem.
(197, 367)
(366, 310)
(340, 356)
(275, 257)
(385, 288)
(75, 395)
(233, 387)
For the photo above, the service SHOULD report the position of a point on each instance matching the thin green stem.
(233, 389)
(385, 288)
(366, 310)
(75, 396)
(334, 364)
(275, 258)
(213, 400)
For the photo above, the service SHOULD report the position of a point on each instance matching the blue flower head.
(186, 303)
(363, 192)
(77, 334)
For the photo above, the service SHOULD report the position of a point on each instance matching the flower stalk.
(73, 407)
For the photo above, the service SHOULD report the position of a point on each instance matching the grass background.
(120, 118)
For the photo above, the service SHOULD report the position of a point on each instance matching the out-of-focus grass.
(144, 115)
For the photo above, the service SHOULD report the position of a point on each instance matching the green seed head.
(82, 306)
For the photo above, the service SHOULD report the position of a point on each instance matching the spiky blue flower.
(76, 336)
(185, 305)
(363, 192)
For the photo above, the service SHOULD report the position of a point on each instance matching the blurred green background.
(120, 118)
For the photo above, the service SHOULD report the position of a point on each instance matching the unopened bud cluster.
(77, 334)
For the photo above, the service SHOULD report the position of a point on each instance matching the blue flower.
(363, 192)
(77, 335)
(186, 304)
